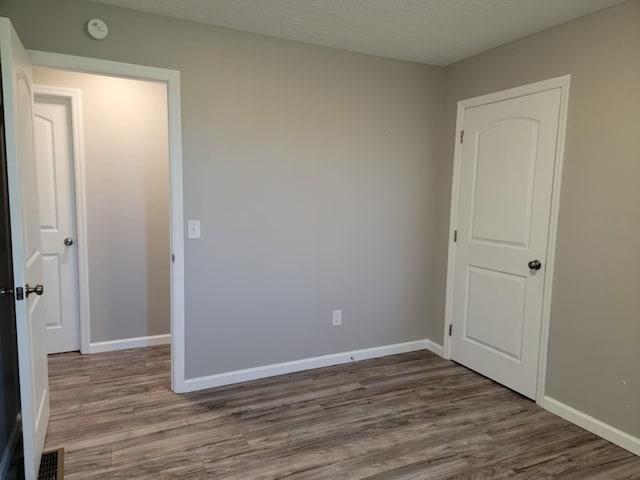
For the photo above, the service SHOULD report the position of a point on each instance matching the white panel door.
(25, 238)
(54, 158)
(506, 181)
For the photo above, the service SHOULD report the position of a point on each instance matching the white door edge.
(563, 83)
(74, 96)
(172, 79)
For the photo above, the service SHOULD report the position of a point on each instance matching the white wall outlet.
(193, 229)
(336, 319)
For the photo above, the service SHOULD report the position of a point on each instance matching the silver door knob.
(38, 290)
(6, 292)
(535, 265)
(68, 241)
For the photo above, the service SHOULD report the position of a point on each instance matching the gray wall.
(318, 180)
(311, 169)
(127, 192)
(595, 326)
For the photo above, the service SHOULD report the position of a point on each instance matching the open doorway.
(102, 153)
(127, 231)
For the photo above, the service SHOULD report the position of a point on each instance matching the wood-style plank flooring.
(406, 417)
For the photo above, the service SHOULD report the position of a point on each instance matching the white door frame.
(74, 97)
(172, 79)
(563, 84)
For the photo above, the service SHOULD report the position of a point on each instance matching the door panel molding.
(172, 79)
(562, 83)
(74, 97)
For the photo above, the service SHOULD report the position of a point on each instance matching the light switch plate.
(193, 229)
(336, 318)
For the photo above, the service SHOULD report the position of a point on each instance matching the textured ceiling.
(429, 31)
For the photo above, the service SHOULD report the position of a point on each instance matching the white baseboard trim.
(606, 431)
(236, 376)
(435, 348)
(126, 343)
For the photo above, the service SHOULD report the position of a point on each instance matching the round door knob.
(38, 290)
(6, 292)
(535, 265)
(68, 241)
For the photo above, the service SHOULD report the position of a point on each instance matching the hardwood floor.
(406, 417)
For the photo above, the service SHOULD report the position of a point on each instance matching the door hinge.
(450, 329)
(455, 235)
(19, 293)
(461, 136)
(173, 258)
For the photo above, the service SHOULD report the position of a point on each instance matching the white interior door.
(507, 164)
(25, 237)
(54, 159)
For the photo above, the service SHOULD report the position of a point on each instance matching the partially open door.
(17, 103)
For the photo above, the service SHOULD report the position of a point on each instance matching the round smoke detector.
(97, 28)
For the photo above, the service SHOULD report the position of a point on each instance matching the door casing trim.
(172, 79)
(563, 83)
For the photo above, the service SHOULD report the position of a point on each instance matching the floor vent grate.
(51, 466)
